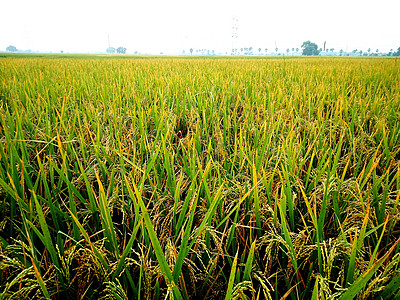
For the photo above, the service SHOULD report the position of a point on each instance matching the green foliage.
(397, 53)
(310, 48)
(11, 49)
(110, 50)
(232, 178)
(121, 50)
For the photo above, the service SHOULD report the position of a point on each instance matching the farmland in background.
(147, 178)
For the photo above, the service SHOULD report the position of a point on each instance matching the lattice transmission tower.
(235, 35)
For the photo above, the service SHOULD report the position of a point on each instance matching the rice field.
(181, 178)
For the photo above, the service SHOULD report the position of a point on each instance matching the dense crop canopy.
(199, 178)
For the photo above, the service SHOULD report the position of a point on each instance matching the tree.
(110, 50)
(11, 49)
(297, 49)
(310, 48)
(369, 50)
(121, 50)
(191, 51)
(397, 53)
(266, 50)
(259, 51)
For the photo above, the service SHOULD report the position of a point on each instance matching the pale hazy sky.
(176, 25)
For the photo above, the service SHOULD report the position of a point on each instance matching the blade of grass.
(231, 281)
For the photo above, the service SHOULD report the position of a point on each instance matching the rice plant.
(154, 178)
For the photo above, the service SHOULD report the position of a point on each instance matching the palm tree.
(266, 50)
(259, 51)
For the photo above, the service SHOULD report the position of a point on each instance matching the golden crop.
(146, 177)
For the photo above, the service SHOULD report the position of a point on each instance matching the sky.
(171, 26)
